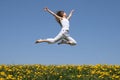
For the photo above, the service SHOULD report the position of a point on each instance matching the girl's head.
(61, 14)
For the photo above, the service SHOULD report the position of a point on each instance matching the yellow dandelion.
(78, 76)
(0, 67)
(2, 73)
(117, 77)
(9, 70)
(93, 72)
(61, 77)
(9, 76)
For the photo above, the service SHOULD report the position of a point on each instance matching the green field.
(59, 72)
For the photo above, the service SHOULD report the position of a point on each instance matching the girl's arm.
(70, 14)
(48, 10)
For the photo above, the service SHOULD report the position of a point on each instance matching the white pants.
(63, 35)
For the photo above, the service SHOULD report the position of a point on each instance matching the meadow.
(59, 72)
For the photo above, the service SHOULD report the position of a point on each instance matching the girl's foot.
(39, 41)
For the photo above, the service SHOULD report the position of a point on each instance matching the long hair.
(59, 13)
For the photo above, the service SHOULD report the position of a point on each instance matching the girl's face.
(64, 14)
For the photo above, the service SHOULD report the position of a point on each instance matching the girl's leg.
(41, 40)
(68, 40)
(71, 41)
(51, 40)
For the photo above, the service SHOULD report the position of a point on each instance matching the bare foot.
(38, 41)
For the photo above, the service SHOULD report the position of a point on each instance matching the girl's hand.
(72, 11)
(46, 9)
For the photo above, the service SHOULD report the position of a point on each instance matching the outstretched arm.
(70, 14)
(48, 10)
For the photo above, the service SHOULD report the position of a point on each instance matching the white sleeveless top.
(65, 23)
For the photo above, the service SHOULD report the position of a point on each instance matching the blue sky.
(95, 25)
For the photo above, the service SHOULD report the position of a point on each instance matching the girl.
(63, 35)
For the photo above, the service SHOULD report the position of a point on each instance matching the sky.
(95, 25)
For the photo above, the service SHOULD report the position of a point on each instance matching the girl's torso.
(64, 23)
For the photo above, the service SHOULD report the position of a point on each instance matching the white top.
(65, 23)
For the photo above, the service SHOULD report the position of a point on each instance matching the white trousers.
(63, 35)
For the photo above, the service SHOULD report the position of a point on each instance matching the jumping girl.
(63, 37)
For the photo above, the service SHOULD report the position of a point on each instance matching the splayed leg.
(40, 41)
